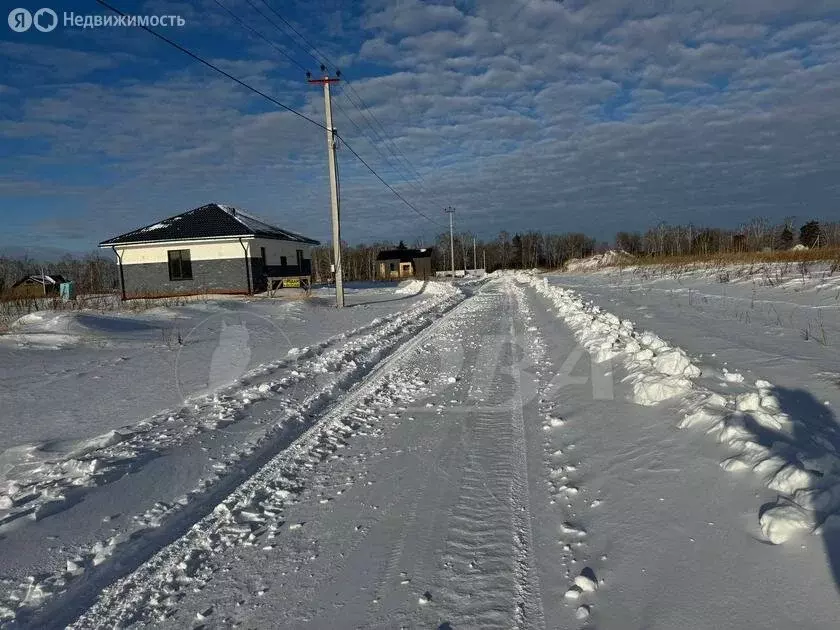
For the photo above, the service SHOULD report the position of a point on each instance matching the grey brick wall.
(213, 276)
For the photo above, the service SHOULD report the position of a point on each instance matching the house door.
(299, 254)
(405, 270)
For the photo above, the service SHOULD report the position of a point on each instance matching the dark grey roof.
(404, 254)
(211, 221)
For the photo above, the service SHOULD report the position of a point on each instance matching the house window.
(283, 262)
(392, 267)
(180, 266)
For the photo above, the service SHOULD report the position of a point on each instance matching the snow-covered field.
(603, 450)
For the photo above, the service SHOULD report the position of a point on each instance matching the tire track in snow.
(415, 540)
(156, 586)
(529, 611)
(488, 575)
(566, 493)
(348, 356)
(105, 458)
(477, 579)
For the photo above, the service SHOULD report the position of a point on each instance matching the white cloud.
(597, 116)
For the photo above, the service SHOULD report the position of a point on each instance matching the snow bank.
(409, 287)
(657, 371)
(413, 287)
(758, 435)
(608, 258)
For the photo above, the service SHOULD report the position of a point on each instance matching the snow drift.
(758, 434)
(608, 258)
(413, 287)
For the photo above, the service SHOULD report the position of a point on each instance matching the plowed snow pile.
(802, 466)
(413, 287)
(611, 257)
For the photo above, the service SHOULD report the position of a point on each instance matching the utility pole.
(451, 212)
(331, 160)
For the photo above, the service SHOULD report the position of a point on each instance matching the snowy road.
(485, 472)
(429, 495)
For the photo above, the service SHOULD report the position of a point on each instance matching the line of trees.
(94, 273)
(536, 249)
(506, 251)
(755, 236)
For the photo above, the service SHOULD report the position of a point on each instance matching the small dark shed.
(404, 263)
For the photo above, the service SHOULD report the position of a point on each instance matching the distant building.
(211, 249)
(404, 263)
(38, 285)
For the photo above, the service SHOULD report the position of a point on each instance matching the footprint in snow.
(584, 583)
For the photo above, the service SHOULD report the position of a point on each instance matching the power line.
(411, 173)
(363, 134)
(375, 143)
(372, 141)
(272, 100)
(385, 133)
(407, 174)
(384, 157)
(321, 58)
(378, 136)
(270, 21)
(217, 68)
(391, 188)
(313, 48)
(261, 36)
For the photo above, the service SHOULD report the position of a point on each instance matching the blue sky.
(583, 115)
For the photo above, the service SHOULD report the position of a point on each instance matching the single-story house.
(37, 285)
(404, 263)
(211, 249)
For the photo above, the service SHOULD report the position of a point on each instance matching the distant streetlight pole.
(451, 212)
